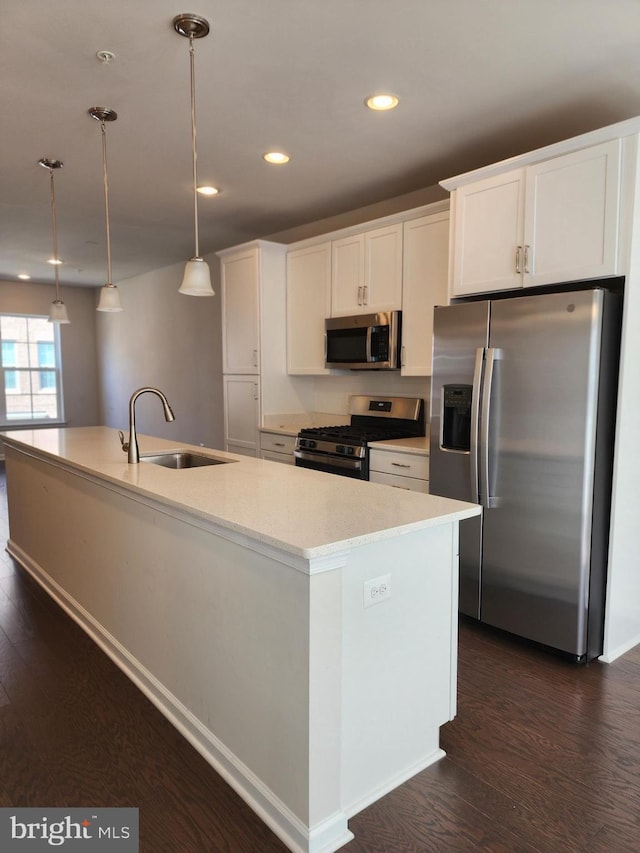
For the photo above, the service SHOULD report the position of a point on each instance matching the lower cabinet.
(402, 470)
(241, 414)
(277, 447)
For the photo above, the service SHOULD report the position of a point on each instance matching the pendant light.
(197, 277)
(109, 296)
(58, 310)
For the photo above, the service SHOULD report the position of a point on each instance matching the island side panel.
(399, 661)
(223, 629)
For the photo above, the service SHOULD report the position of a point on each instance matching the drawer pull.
(400, 465)
(278, 443)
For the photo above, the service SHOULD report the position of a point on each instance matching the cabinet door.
(240, 313)
(308, 305)
(426, 255)
(383, 269)
(347, 276)
(571, 216)
(241, 413)
(488, 231)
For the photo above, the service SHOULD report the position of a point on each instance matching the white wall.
(169, 341)
(77, 341)
(331, 393)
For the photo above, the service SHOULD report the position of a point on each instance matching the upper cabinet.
(240, 275)
(400, 264)
(548, 222)
(425, 263)
(367, 272)
(308, 304)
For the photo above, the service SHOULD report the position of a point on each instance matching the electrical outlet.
(377, 590)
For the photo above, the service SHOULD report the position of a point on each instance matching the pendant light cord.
(55, 234)
(106, 199)
(194, 152)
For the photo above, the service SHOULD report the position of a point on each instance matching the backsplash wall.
(331, 393)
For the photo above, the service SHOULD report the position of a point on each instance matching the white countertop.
(307, 513)
(291, 424)
(418, 446)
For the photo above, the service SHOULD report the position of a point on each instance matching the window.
(31, 376)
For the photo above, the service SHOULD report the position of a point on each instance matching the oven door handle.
(323, 458)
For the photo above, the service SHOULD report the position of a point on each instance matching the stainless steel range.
(344, 449)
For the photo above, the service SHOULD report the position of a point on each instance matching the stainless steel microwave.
(364, 341)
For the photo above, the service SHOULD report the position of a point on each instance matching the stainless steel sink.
(181, 459)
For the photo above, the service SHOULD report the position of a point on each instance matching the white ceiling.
(478, 81)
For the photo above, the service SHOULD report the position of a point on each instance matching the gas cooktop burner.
(344, 449)
(346, 432)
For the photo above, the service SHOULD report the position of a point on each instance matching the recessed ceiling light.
(382, 102)
(24, 276)
(208, 190)
(277, 157)
(54, 261)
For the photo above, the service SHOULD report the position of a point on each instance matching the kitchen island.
(299, 628)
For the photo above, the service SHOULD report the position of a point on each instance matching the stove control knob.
(340, 448)
(350, 451)
(311, 444)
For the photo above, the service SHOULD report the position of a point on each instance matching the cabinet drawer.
(286, 458)
(403, 464)
(277, 442)
(410, 483)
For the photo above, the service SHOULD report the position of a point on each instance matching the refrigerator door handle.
(475, 420)
(488, 501)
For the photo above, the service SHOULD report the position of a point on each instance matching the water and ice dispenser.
(456, 417)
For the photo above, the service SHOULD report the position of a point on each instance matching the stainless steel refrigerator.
(523, 398)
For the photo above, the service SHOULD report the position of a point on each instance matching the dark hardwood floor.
(543, 755)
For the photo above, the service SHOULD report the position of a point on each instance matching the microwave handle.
(368, 350)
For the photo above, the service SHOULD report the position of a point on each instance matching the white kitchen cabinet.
(366, 272)
(308, 305)
(401, 470)
(241, 414)
(571, 216)
(548, 222)
(254, 342)
(425, 284)
(277, 447)
(240, 312)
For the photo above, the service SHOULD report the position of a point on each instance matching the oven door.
(332, 464)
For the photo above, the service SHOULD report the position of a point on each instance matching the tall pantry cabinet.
(254, 359)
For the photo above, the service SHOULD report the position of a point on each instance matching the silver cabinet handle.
(518, 259)
(402, 356)
(278, 443)
(360, 295)
(256, 395)
(400, 465)
(365, 295)
(526, 259)
(255, 358)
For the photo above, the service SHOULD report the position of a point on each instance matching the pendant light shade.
(197, 277)
(109, 299)
(58, 310)
(109, 295)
